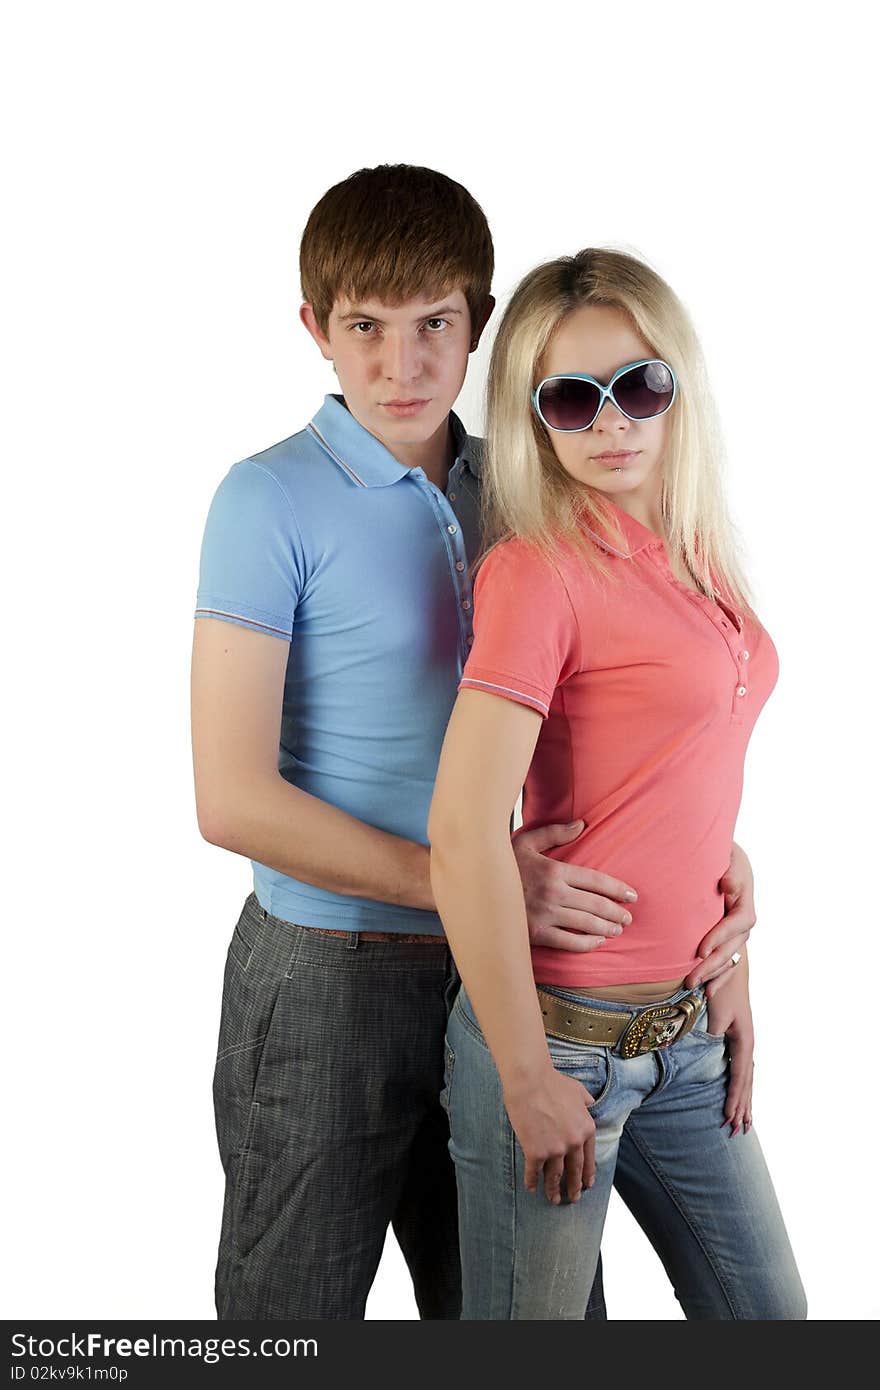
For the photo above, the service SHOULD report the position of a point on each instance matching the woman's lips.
(403, 408)
(615, 460)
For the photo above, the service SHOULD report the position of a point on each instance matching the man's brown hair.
(394, 233)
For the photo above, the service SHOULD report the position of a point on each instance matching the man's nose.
(401, 359)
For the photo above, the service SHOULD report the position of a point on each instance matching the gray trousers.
(326, 1097)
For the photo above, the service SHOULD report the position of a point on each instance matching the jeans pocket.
(240, 951)
(590, 1064)
(448, 1069)
(245, 936)
(700, 1032)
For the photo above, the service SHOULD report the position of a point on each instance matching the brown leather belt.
(632, 1033)
(409, 938)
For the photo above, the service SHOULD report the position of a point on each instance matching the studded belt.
(631, 1033)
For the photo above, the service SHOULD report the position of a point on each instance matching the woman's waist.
(649, 992)
(645, 963)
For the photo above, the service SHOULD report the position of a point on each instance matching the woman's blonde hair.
(526, 490)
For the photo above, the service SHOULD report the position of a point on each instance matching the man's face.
(400, 367)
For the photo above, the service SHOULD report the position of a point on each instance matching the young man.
(334, 615)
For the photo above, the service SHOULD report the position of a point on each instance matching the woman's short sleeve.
(525, 633)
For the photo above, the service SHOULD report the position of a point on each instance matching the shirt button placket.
(462, 584)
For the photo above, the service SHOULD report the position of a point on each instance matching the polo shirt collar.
(636, 536)
(362, 456)
(467, 450)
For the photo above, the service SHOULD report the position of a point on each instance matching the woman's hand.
(556, 1132)
(568, 907)
(730, 1013)
(732, 932)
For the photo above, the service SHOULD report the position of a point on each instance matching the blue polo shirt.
(361, 564)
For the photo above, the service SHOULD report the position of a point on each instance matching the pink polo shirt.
(649, 694)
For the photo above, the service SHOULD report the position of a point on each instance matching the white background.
(162, 161)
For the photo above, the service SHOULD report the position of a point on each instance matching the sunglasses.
(570, 401)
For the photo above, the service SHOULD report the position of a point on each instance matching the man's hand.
(730, 1013)
(557, 1134)
(732, 932)
(568, 907)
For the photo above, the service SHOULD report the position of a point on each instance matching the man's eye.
(436, 324)
(364, 323)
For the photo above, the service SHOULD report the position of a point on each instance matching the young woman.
(617, 671)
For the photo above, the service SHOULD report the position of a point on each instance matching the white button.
(740, 690)
(452, 530)
(744, 655)
(471, 640)
(459, 565)
(452, 496)
(466, 604)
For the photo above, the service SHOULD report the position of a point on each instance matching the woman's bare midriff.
(649, 993)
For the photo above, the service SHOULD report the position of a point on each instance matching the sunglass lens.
(645, 391)
(568, 404)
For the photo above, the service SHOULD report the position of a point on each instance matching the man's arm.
(245, 805)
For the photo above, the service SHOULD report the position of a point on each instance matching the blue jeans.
(704, 1200)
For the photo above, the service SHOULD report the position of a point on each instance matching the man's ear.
(480, 322)
(307, 316)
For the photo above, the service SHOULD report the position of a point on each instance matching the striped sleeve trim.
(506, 690)
(242, 620)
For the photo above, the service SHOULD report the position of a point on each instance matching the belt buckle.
(661, 1026)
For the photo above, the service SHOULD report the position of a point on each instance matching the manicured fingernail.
(627, 918)
(631, 895)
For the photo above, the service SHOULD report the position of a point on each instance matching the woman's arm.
(732, 932)
(730, 1012)
(478, 892)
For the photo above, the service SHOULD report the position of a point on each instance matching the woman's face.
(619, 457)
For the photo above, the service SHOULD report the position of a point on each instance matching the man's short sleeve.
(252, 568)
(525, 634)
